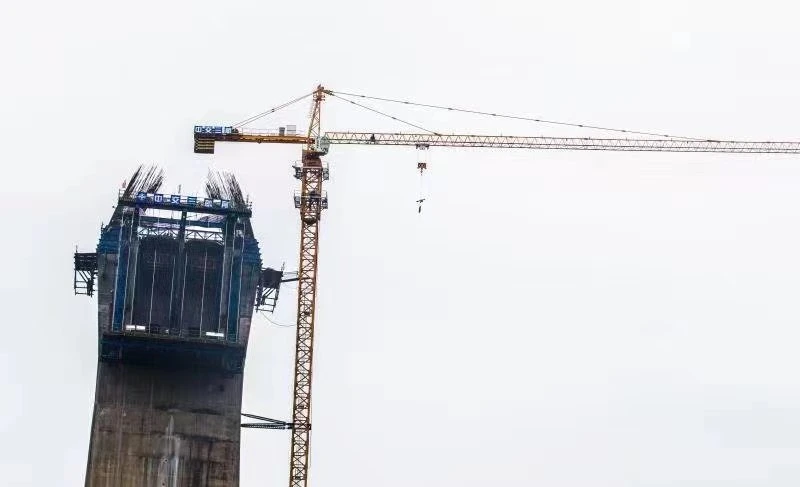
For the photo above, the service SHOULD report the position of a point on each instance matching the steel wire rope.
(271, 110)
(385, 114)
(515, 117)
(275, 323)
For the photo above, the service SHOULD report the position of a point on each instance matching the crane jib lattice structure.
(519, 142)
(311, 200)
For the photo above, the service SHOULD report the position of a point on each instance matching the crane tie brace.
(311, 201)
(510, 117)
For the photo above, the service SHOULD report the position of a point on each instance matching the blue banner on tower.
(145, 198)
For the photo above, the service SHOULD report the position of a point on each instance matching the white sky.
(554, 319)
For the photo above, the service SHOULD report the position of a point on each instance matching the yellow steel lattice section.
(311, 205)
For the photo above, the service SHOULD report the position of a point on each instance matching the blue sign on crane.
(212, 130)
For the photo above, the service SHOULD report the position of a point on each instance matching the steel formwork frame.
(84, 273)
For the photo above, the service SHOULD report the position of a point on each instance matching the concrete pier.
(153, 428)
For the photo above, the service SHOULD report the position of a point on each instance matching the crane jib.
(206, 136)
(564, 143)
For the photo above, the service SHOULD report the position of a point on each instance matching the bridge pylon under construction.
(177, 279)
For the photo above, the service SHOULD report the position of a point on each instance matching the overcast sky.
(558, 319)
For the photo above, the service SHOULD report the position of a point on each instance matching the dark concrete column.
(154, 427)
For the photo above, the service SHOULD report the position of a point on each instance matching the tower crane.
(311, 200)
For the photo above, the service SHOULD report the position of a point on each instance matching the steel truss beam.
(266, 423)
(569, 143)
(173, 232)
(514, 142)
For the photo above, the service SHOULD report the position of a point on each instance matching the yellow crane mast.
(311, 201)
(311, 204)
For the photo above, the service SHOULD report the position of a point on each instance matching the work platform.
(172, 270)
